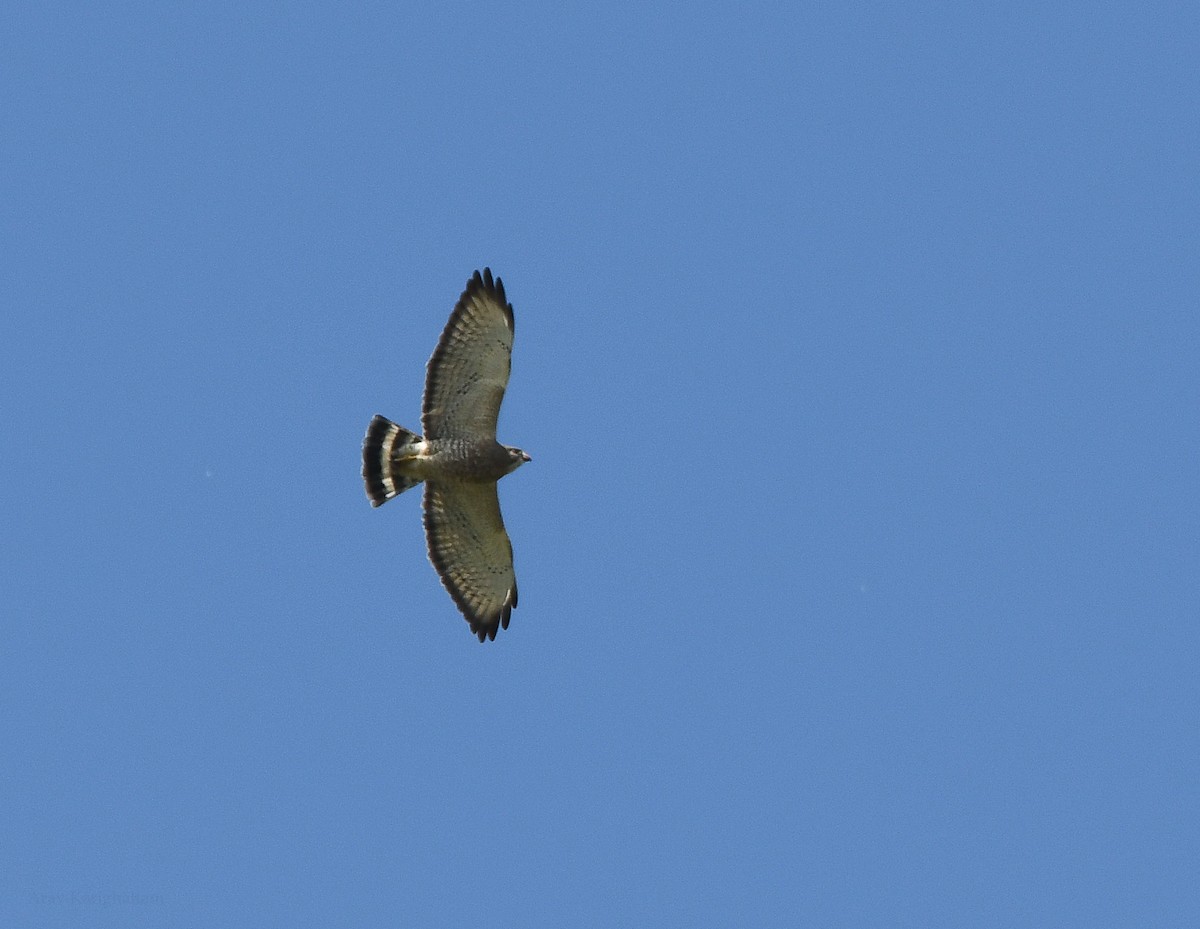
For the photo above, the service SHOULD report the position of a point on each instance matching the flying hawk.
(458, 458)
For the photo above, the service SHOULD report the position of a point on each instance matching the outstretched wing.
(468, 371)
(471, 551)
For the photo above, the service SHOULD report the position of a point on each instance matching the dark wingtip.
(486, 629)
(485, 281)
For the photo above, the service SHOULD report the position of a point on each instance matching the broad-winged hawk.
(458, 458)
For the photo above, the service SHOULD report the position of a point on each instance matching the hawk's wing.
(471, 551)
(468, 371)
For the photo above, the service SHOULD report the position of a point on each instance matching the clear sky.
(857, 352)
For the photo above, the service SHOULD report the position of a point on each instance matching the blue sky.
(857, 355)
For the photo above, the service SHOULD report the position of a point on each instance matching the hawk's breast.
(462, 459)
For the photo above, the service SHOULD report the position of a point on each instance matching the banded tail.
(384, 445)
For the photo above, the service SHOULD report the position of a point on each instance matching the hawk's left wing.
(471, 551)
(468, 371)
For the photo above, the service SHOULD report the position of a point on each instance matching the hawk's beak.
(525, 457)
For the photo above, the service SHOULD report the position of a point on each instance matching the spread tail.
(384, 445)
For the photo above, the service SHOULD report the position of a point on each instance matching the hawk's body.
(458, 458)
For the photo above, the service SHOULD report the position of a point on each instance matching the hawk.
(458, 458)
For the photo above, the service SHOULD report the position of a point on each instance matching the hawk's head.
(516, 458)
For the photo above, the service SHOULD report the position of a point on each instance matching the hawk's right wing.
(471, 551)
(468, 371)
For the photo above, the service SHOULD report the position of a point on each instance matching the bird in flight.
(458, 458)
